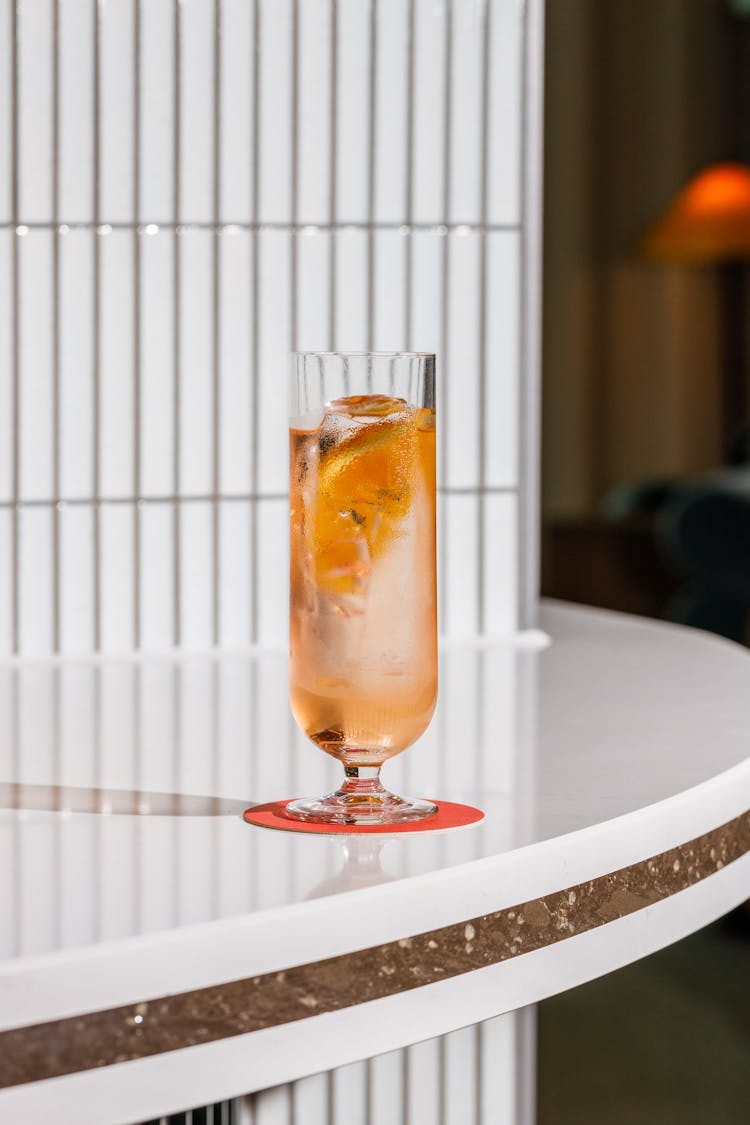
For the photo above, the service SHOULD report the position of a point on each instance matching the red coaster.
(448, 815)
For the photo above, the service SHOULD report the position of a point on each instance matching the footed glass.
(363, 605)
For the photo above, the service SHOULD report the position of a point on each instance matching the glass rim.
(363, 355)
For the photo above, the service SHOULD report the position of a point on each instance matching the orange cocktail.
(363, 629)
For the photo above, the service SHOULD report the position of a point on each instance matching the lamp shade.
(707, 222)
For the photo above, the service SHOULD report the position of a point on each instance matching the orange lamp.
(707, 222)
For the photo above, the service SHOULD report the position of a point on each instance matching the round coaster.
(449, 815)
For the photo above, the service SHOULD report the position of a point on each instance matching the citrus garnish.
(364, 485)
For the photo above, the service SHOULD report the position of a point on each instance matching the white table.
(156, 952)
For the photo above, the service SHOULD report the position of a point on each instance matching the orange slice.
(364, 489)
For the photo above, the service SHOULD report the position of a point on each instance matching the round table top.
(152, 942)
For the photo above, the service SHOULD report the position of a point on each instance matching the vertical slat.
(432, 73)
(196, 362)
(273, 569)
(311, 1100)
(34, 591)
(157, 352)
(294, 325)
(459, 1086)
(460, 517)
(176, 328)
(7, 318)
(351, 298)
(15, 329)
(466, 90)
(411, 50)
(498, 1078)
(501, 335)
(7, 522)
(479, 1069)
(197, 50)
(117, 365)
(76, 635)
(423, 1095)
(236, 85)
(333, 174)
(389, 288)
(235, 574)
(443, 375)
(116, 526)
(254, 320)
(36, 329)
(293, 173)
(353, 71)
(501, 576)
(505, 135)
(483, 175)
(313, 154)
(236, 371)
(196, 595)
(274, 148)
(526, 1056)
(386, 1092)
(137, 324)
(96, 325)
(271, 1107)
(531, 304)
(425, 324)
(312, 307)
(158, 127)
(116, 47)
(7, 18)
(34, 100)
(392, 70)
(349, 1100)
(157, 544)
(372, 140)
(216, 274)
(76, 364)
(235, 452)
(461, 403)
(55, 451)
(74, 108)
(274, 328)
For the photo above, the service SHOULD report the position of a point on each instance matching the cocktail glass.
(363, 606)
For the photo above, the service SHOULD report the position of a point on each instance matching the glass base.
(360, 800)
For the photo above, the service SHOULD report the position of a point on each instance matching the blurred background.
(646, 483)
(646, 361)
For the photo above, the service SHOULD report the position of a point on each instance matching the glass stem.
(362, 781)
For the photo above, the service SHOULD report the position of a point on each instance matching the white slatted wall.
(188, 190)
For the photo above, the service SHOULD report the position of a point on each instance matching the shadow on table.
(131, 802)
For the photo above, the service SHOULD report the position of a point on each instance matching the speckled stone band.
(68, 1046)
